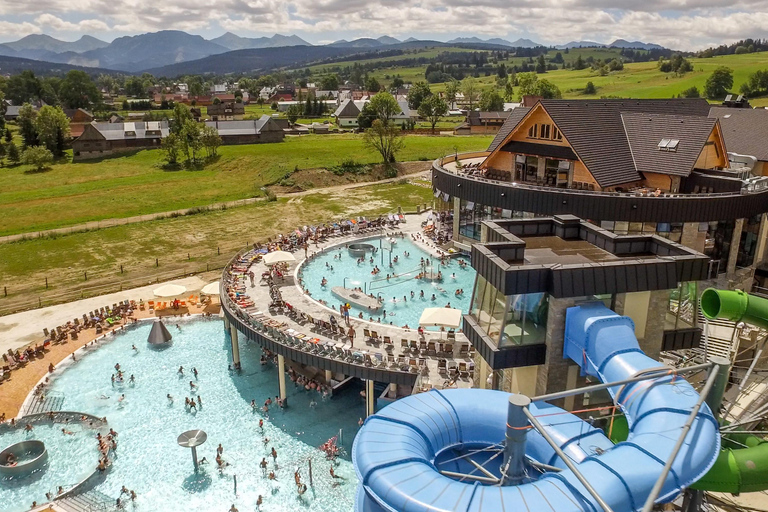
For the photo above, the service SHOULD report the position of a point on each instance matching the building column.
(692, 238)
(552, 376)
(733, 253)
(370, 399)
(235, 346)
(392, 390)
(571, 382)
(281, 376)
(762, 239)
(328, 377)
(456, 217)
(226, 323)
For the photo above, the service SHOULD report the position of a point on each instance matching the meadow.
(136, 183)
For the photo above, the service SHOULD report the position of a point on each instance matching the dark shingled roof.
(476, 118)
(514, 118)
(745, 130)
(645, 131)
(595, 131)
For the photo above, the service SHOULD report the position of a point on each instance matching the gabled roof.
(348, 108)
(121, 131)
(515, 116)
(745, 130)
(646, 131)
(234, 127)
(595, 131)
(476, 118)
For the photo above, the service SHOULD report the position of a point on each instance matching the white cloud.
(59, 25)
(686, 24)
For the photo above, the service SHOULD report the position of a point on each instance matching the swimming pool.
(340, 268)
(148, 459)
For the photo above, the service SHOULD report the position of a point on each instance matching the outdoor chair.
(387, 340)
(451, 336)
(404, 345)
(442, 366)
(452, 370)
(463, 370)
(366, 335)
(414, 346)
(449, 349)
(463, 350)
(375, 336)
(431, 348)
(422, 347)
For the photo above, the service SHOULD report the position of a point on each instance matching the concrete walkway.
(20, 329)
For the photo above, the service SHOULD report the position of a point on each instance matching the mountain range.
(169, 49)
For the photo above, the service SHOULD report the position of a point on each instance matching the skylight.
(668, 144)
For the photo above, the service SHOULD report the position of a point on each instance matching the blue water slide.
(400, 453)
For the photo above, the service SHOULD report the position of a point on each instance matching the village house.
(103, 139)
(482, 123)
(262, 130)
(226, 111)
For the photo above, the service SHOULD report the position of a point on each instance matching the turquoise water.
(148, 458)
(340, 268)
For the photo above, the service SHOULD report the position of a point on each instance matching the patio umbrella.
(159, 334)
(211, 288)
(169, 290)
(440, 317)
(278, 257)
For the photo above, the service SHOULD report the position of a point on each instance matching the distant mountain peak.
(36, 43)
(387, 40)
(234, 42)
(520, 43)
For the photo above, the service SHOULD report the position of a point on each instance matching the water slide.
(742, 465)
(405, 455)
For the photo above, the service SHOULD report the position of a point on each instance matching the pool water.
(148, 458)
(340, 268)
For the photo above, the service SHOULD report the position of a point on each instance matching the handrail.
(438, 163)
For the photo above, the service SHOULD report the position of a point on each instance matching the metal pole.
(235, 484)
(310, 473)
(656, 490)
(597, 387)
(514, 448)
(568, 462)
(746, 377)
(194, 457)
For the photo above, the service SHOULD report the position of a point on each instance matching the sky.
(677, 24)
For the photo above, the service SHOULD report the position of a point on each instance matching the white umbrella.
(441, 317)
(169, 290)
(211, 288)
(278, 257)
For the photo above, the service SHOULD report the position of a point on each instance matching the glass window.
(748, 242)
(683, 306)
(718, 244)
(545, 131)
(526, 320)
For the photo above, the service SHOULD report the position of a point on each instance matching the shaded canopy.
(169, 290)
(278, 257)
(159, 334)
(441, 317)
(211, 288)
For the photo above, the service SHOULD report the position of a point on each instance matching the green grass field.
(136, 184)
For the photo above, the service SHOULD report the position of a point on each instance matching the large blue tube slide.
(399, 452)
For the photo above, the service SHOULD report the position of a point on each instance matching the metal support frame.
(743, 382)
(567, 460)
(597, 387)
(656, 490)
(513, 467)
(281, 376)
(235, 347)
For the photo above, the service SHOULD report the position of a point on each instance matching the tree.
(171, 147)
(209, 137)
(8, 135)
(418, 93)
(509, 91)
(385, 106)
(78, 91)
(23, 88)
(13, 153)
(530, 85)
(329, 82)
(216, 101)
(397, 83)
(491, 101)
(692, 92)
(579, 64)
(181, 114)
(293, 113)
(756, 84)
(452, 88)
(27, 128)
(719, 83)
(190, 140)
(366, 117)
(52, 126)
(372, 85)
(541, 64)
(38, 157)
(385, 138)
(470, 90)
(107, 83)
(195, 86)
(432, 109)
(590, 88)
(134, 86)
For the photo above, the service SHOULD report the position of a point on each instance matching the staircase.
(44, 403)
(718, 337)
(89, 501)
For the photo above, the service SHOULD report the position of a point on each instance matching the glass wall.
(718, 244)
(683, 306)
(510, 320)
(472, 215)
(748, 242)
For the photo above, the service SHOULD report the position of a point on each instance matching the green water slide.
(742, 465)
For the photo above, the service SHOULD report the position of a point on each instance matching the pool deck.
(26, 328)
(293, 294)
